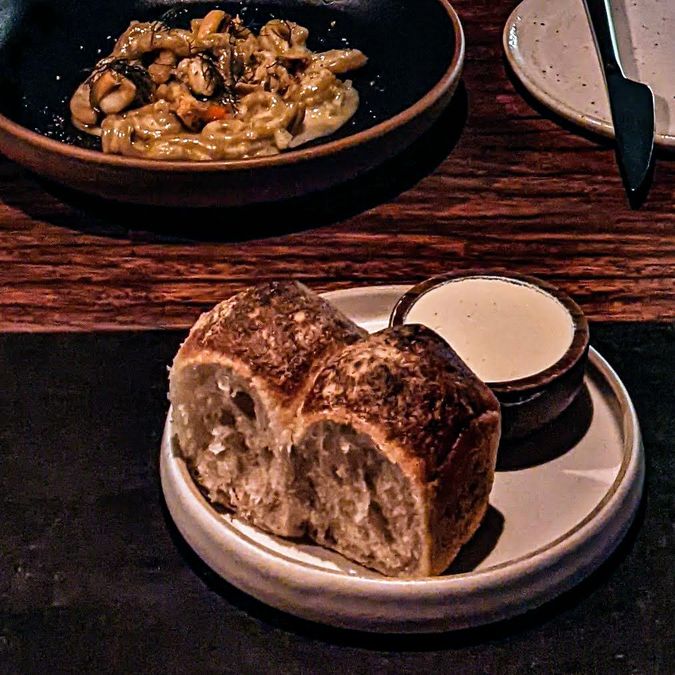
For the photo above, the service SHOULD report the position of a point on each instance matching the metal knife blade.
(631, 104)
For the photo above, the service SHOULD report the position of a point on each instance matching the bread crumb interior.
(224, 435)
(361, 504)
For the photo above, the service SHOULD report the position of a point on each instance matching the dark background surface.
(497, 183)
(93, 576)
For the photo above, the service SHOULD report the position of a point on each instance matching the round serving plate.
(559, 507)
(550, 47)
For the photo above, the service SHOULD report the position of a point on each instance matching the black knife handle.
(600, 16)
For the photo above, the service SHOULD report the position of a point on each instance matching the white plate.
(561, 519)
(550, 47)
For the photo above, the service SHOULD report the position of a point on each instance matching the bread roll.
(397, 439)
(235, 387)
(381, 447)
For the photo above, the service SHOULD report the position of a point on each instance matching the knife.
(632, 106)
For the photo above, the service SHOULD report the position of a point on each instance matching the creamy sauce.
(503, 329)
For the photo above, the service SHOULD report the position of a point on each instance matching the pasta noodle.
(216, 91)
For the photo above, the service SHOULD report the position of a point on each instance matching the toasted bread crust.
(278, 332)
(458, 498)
(411, 386)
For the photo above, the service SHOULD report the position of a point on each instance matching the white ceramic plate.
(550, 525)
(550, 47)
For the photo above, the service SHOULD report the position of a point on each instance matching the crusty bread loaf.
(380, 447)
(398, 441)
(235, 388)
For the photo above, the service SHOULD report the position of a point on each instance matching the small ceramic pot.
(534, 399)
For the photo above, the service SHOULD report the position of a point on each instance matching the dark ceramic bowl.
(531, 402)
(46, 46)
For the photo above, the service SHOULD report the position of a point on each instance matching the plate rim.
(583, 544)
(589, 122)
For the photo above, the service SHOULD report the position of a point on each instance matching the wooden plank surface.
(498, 184)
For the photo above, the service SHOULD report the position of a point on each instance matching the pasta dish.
(216, 91)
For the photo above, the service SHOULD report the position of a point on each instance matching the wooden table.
(497, 184)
